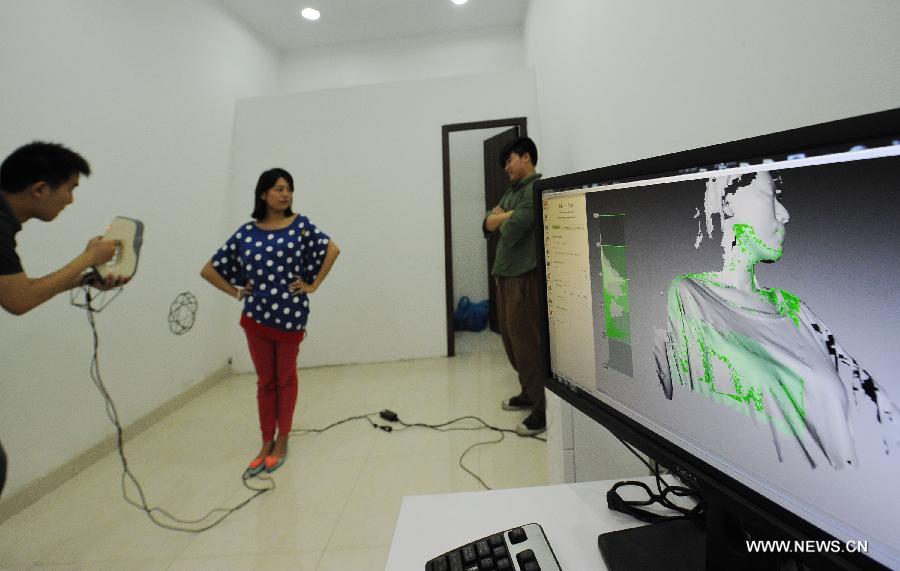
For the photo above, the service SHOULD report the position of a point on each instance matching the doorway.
(467, 196)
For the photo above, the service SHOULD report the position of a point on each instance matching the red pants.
(276, 385)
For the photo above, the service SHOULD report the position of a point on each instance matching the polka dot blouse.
(271, 260)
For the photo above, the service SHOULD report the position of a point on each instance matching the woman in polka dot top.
(272, 264)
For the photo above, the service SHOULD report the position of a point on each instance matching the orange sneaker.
(257, 465)
(274, 462)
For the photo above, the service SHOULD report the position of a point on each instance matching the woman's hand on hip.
(301, 286)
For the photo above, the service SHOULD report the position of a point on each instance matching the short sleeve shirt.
(9, 227)
(271, 260)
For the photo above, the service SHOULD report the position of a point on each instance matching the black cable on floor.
(485, 425)
(302, 431)
(127, 475)
(442, 427)
(143, 505)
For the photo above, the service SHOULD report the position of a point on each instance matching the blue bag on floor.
(470, 316)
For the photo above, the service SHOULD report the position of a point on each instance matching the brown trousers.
(519, 313)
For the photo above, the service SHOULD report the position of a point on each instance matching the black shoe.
(518, 402)
(535, 423)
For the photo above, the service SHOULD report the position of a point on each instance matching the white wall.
(367, 168)
(467, 208)
(145, 91)
(620, 80)
(402, 59)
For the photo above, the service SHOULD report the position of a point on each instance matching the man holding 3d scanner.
(37, 181)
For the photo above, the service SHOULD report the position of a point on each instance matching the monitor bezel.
(731, 495)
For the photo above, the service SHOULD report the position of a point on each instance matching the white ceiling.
(347, 21)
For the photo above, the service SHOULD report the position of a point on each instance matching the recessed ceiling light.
(311, 13)
(460, 2)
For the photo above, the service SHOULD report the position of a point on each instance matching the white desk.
(572, 516)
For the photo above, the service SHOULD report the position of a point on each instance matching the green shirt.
(516, 249)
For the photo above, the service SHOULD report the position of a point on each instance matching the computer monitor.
(735, 311)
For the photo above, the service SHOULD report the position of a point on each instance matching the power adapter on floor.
(388, 415)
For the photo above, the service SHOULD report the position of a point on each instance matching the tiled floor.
(337, 497)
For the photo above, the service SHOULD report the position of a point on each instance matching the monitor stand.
(673, 545)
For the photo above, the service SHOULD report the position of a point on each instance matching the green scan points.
(744, 364)
(784, 302)
(616, 306)
(745, 234)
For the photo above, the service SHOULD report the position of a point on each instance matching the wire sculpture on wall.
(183, 313)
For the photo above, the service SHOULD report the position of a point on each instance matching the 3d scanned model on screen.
(616, 307)
(759, 350)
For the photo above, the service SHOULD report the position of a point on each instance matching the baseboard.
(40, 487)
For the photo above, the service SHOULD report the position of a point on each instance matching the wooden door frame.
(522, 124)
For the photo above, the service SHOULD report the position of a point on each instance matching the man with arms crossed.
(518, 283)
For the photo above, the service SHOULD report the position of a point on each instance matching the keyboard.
(522, 548)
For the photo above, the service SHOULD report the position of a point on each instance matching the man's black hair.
(40, 162)
(520, 146)
(266, 181)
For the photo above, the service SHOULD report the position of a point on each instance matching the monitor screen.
(747, 313)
